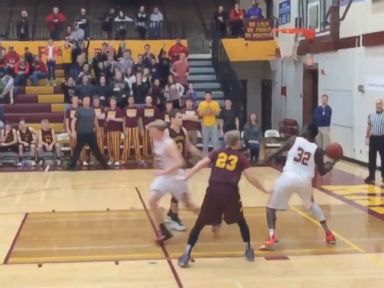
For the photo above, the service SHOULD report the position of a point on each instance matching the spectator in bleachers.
(147, 56)
(48, 142)
(163, 66)
(252, 137)
(86, 71)
(132, 130)
(21, 71)
(121, 50)
(141, 22)
(77, 36)
(208, 111)
(157, 95)
(23, 26)
(220, 19)
(55, 22)
(155, 21)
(111, 66)
(39, 71)
(8, 139)
(191, 94)
(85, 88)
(67, 58)
(173, 91)
(165, 114)
(51, 52)
(236, 18)
(10, 60)
(28, 56)
(69, 90)
(126, 61)
(191, 120)
(140, 88)
(68, 32)
(26, 137)
(254, 12)
(180, 69)
(121, 21)
(107, 25)
(103, 90)
(176, 49)
(8, 87)
(114, 127)
(149, 114)
(120, 89)
(3, 52)
(83, 22)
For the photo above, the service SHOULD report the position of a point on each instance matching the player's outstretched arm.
(323, 168)
(285, 147)
(190, 147)
(203, 163)
(252, 179)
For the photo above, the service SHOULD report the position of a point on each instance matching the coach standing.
(322, 118)
(85, 123)
(375, 140)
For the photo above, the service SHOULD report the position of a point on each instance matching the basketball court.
(76, 229)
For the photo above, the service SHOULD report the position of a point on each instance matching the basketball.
(334, 151)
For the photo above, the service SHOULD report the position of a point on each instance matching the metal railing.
(226, 74)
(41, 32)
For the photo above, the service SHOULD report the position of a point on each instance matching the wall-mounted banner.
(259, 30)
(374, 84)
(285, 12)
(345, 2)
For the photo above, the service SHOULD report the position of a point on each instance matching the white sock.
(188, 249)
(271, 232)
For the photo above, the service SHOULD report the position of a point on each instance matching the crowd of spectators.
(232, 25)
(114, 24)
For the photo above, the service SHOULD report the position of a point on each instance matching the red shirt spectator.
(11, 58)
(180, 69)
(237, 14)
(40, 66)
(175, 50)
(22, 67)
(55, 22)
(51, 52)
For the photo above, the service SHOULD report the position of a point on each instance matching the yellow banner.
(242, 50)
(136, 46)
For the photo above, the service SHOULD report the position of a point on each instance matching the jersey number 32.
(302, 156)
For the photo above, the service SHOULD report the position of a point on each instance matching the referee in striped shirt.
(375, 140)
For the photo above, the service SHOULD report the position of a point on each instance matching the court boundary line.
(10, 250)
(315, 222)
(161, 244)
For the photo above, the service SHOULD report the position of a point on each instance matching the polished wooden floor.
(89, 229)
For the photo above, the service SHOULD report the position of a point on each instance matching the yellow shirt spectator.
(208, 110)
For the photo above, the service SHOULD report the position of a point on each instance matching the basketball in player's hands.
(334, 151)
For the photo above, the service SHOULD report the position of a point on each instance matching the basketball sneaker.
(184, 260)
(369, 181)
(269, 244)
(249, 254)
(330, 238)
(164, 234)
(174, 222)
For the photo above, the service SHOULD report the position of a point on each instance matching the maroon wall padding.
(35, 117)
(22, 98)
(27, 108)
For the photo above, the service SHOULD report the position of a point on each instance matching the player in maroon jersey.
(179, 134)
(222, 198)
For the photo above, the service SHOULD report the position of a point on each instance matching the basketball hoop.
(309, 34)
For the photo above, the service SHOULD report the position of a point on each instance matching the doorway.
(266, 105)
(310, 92)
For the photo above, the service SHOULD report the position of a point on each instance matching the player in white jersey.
(168, 163)
(303, 158)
